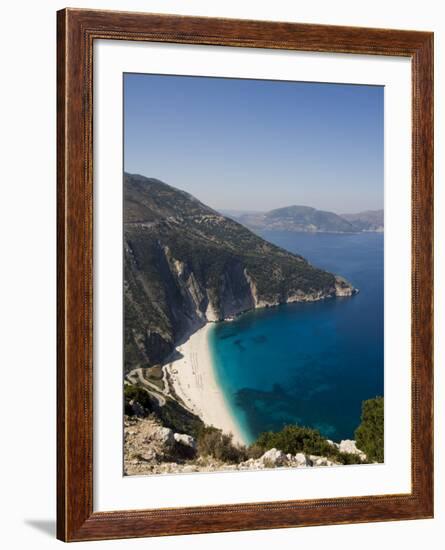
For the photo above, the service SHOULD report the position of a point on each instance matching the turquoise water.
(312, 364)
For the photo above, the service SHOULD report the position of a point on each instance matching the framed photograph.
(245, 230)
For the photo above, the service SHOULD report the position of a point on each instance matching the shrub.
(213, 442)
(347, 458)
(369, 435)
(171, 414)
(180, 453)
(255, 451)
(295, 439)
(136, 394)
(179, 419)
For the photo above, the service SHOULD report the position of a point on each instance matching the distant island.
(310, 220)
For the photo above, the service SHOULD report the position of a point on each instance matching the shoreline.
(194, 380)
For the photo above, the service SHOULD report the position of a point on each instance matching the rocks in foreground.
(275, 458)
(349, 447)
(151, 448)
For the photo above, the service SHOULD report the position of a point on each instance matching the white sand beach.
(194, 381)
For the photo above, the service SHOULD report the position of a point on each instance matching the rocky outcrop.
(165, 437)
(274, 458)
(150, 448)
(184, 439)
(148, 444)
(349, 447)
(343, 287)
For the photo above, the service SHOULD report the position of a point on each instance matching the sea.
(311, 364)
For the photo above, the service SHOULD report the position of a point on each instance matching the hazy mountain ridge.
(369, 220)
(310, 220)
(185, 264)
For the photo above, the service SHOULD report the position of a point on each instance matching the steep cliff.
(185, 264)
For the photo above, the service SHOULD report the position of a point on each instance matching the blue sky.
(257, 144)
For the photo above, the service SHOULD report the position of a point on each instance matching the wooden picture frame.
(77, 31)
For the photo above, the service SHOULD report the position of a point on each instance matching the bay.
(310, 364)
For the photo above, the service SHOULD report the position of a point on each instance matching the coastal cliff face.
(186, 265)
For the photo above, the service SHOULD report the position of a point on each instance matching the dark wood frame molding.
(76, 32)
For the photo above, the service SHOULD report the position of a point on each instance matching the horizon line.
(246, 210)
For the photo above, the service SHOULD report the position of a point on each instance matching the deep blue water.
(312, 364)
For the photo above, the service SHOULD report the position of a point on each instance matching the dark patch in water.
(266, 410)
(226, 336)
(259, 339)
(239, 344)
